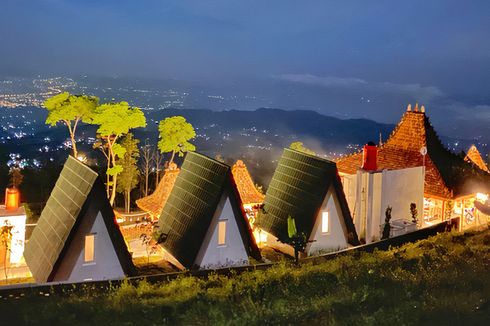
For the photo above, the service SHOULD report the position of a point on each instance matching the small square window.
(221, 233)
(89, 247)
(325, 222)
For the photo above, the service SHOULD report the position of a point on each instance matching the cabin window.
(221, 233)
(325, 222)
(89, 247)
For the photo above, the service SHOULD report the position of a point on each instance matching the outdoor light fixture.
(82, 158)
(481, 197)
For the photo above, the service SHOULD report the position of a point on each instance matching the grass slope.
(442, 280)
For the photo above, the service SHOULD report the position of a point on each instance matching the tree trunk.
(107, 183)
(147, 173)
(129, 200)
(172, 158)
(72, 137)
(125, 201)
(74, 145)
(113, 190)
(112, 157)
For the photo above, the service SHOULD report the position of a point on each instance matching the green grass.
(444, 280)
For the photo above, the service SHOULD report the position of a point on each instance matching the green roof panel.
(191, 206)
(298, 188)
(58, 218)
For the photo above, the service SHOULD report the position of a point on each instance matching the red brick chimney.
(370, 157)
(12, 198)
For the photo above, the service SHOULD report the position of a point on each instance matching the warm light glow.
(260, 236)
(325, 222)
(89, 247)
(82, 158)
(221, 233)
(482, 197)
(12, 198)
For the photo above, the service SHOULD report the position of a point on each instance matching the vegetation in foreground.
(442, 280)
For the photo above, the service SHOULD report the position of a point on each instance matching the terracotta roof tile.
(246, 187)
(402, 150)
(474, 156)
(155, 202)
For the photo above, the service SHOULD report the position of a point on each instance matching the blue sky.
(388, 52)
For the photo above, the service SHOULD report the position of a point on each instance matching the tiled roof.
(155, 202)
(474, 156)
(446, 173)
(246, 187)
(298, 188)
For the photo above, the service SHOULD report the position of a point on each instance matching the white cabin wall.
(400, 188)
(376, 195)
(18, 223)
(105, 265)
(233, 253)
(336, 238)
(375, 191)
(349, 183)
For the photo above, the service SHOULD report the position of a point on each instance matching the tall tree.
(175, 133)
(128, 178)
(298, 146)
(16, 177)
(115, 120)
(70, 110)
(158, 161)
(145, 163)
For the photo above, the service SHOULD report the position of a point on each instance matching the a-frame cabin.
(203, 225)
(77, 238)
(307, 188)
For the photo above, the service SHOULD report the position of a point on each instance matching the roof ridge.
(85, 166)
(208, 158)
(319, 158)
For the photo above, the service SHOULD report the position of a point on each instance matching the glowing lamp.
(12, 198)
(82, 158)
(482, 197)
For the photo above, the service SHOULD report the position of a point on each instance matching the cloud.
(424, 93)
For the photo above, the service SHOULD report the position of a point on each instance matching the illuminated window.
(221, 233)
(89, 247)
(325, 222)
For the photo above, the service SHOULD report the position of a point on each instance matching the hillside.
(442, 280)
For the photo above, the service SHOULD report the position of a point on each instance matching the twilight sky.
(352, 58)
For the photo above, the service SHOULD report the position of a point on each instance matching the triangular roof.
(155, 202)
(298, 188)
(189, 210)
(78, 191)
(474, 156)
(246, 187)
(446, 173)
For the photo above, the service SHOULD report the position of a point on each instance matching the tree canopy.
(129, 177)
(298, 146)
(115, 120)
(175, 133)
(70, 110)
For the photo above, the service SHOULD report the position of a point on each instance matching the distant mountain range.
(257, 136)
